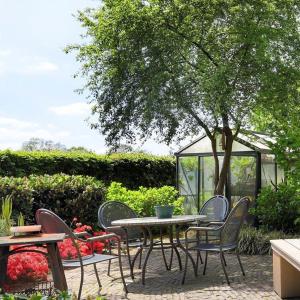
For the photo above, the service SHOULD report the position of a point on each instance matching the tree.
(174, 67)
(38, 144)
(80, 149)
(282, 122)
(121, 148)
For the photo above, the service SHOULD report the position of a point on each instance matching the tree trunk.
(219, 186)
(217, 166)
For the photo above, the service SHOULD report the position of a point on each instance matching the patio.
(162, 284)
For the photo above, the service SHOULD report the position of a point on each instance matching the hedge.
(131, 169)
(68, 196)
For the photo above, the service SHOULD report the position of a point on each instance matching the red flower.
(27, 265)
(34, 266)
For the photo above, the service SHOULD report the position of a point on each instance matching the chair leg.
(129, 261)
(140, 261)
(223, 256)
(185, 265)
(109, 262)
(120, 267)
(139, 251)
(98, 279)
(223, 266)
(205, 262)
(199, 252)
(240, 263)
(81, 283)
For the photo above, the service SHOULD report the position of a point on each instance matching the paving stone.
(166, 285)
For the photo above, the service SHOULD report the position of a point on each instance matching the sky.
(37, 97)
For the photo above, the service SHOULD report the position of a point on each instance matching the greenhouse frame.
(252, 167)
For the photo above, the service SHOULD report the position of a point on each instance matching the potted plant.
(164, 211)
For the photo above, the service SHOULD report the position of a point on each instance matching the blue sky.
(36, 85)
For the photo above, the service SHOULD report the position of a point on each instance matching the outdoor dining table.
(148, 223)
(22, 243)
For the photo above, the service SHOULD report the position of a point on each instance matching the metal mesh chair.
(131, 237)
(227, 234)
(216, 209)
(51, 223)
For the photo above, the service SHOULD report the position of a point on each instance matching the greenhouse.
(252, 167)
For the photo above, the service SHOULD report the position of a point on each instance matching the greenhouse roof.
(244, 142)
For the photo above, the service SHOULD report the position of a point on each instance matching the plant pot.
(164, 211)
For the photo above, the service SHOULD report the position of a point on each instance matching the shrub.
(64, 194)
(278, 209)
(144, 199)
(132, 169)
(254, 241)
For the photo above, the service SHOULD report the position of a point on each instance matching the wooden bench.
(286, 267)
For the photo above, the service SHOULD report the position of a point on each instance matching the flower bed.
(31, 266)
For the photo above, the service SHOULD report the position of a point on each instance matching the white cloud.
(39, 68)
(17, 124)
(5, 52)
(17, 63)
(14, 132)
(73, 109)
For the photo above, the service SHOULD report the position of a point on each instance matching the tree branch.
(200, 122)
(198, 45)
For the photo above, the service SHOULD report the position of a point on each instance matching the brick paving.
(166, 285)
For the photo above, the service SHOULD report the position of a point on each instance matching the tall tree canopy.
(175, 67)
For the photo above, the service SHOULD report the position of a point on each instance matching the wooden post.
(56, 267)
(286, 278)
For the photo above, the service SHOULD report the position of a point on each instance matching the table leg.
(163, 250)
(188, 255)
(56, 267)
(3, 266)
(174, 248)
(148, 253)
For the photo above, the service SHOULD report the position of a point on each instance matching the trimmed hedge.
(68, 196)
(131, 169)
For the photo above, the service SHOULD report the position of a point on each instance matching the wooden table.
(49, 241)
(286, 267)
(147, 225)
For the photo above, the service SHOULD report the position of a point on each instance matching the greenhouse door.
(242, 178)
(188, 171)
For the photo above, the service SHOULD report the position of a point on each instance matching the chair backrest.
(231, 228)
(215, 208)
(52, 223)
(114, 210)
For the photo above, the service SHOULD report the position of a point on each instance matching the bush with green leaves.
(253, 241)
(144, 199)
(278, 209)
(68, 196)
(132, 169)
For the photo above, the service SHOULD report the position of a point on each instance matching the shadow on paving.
(163, 284)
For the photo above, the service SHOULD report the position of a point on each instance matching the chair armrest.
(102, 237)
(199, 228)
(110, 228)
(216, 223)
(81, 234)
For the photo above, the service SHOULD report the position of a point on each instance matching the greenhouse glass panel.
(243, 177)
(188, 182)
(204, 146)
(207, 173)
(268, 170)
